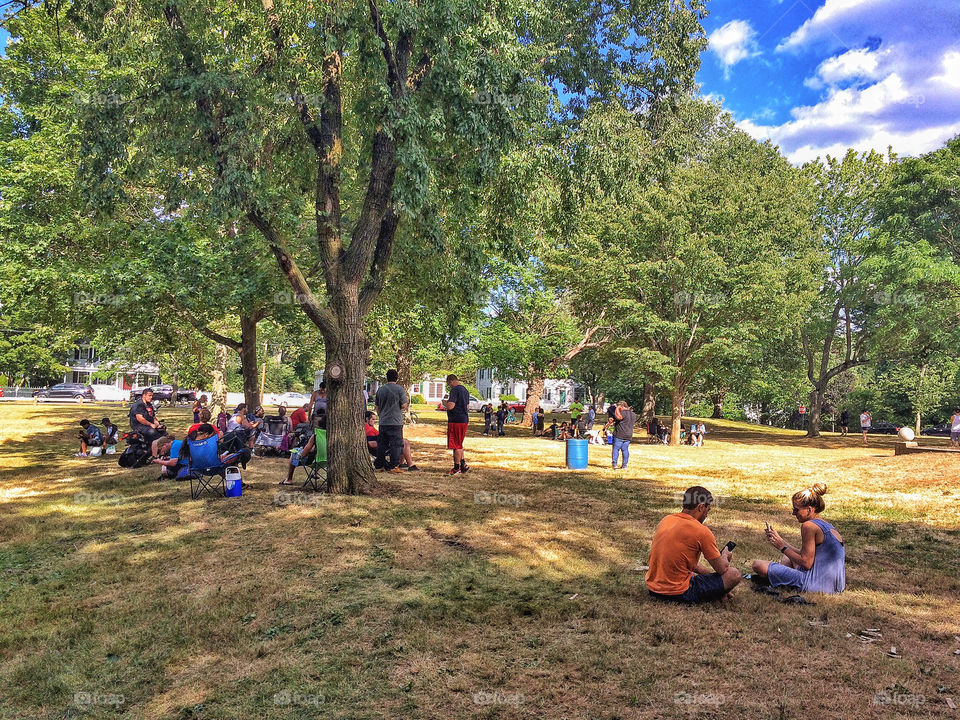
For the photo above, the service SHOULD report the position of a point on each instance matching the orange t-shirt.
(675, 551)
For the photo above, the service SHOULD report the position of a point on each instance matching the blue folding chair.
(204, 466)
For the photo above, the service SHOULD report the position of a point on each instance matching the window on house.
(436, 390)
(415, 388)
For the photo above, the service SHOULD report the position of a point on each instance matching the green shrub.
(509, 398)
(418, 399)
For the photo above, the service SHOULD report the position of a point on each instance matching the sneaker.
(79, 454)
(413, 468)
(397, 470)
(464, 468)
(455, 471)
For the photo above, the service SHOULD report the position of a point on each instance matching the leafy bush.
(509, 398)
(418, 399)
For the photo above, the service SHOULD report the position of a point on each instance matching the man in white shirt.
(866, 419)
(955, 428)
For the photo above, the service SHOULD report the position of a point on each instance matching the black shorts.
(703, 588)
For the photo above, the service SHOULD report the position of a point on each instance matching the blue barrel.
(576, 454)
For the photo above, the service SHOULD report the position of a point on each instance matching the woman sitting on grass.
(818, 564)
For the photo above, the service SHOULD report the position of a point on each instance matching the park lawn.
(514, 591)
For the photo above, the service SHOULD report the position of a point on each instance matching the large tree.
(704, 249)
(323, 126)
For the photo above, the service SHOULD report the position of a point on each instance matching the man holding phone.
(675, 572)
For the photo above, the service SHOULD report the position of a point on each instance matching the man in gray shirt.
(391, 400)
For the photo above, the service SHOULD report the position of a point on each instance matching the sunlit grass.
(518, 586)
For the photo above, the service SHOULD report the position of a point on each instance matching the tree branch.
(381, 259)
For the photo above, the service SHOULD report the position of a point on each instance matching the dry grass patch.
(514, 591)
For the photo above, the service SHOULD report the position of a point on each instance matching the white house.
(86, 362)
(432, 388)
(556, 393)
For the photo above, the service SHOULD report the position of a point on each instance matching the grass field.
(514, 591)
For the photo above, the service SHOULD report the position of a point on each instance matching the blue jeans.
(621, 446)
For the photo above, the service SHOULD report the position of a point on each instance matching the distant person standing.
(623, 421)
(844, 422)
(501, 418)
(391, 400)
(487, 418)
(534, 417)
(318, 401)
(457, 421)
(955, 428)
(866, 420)
(591, 416)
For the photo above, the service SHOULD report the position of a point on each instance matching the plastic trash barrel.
(232, 484)
(576, 454)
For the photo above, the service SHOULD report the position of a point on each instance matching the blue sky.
(819, 76)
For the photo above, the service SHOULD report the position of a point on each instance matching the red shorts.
(455, 434)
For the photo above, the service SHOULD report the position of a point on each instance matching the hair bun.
(818, 489)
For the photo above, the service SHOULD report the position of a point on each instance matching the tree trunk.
(348, 465)
(534, 395)
(677, 395)
(601, 398)
(813, 413)
(175, 386)
(923, 373)
(248, 361)
(218, 393)
(718, 398)
(649, 408)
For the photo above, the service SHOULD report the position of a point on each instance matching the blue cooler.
(577, 454)
(232, 484)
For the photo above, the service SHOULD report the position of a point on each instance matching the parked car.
(287, 399)
(475, 404)
(164, 393)
(884, 428)
(77, 392)
(517, 407)
(941, 430)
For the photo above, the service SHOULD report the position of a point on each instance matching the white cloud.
(852, 65)
(889, 74)
(951, 69)
(733, 42)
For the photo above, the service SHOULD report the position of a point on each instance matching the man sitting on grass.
(90, 437)
(675, 571)
(111, 436)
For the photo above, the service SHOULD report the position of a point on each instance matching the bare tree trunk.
(349, 467)
(601, 398)
(649, 402)
(534, 395)
(677, 395)
(813, 413)
(718, 398)
(219, 389)
(248, 361)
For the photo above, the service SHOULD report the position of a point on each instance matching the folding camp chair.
(204, 466)
(316, 469)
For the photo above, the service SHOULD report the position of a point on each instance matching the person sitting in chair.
(204, 420)
(239, 424)
(304, 455)
(90, 437)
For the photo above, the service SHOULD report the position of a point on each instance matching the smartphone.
(768, 526)
(730, 546)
